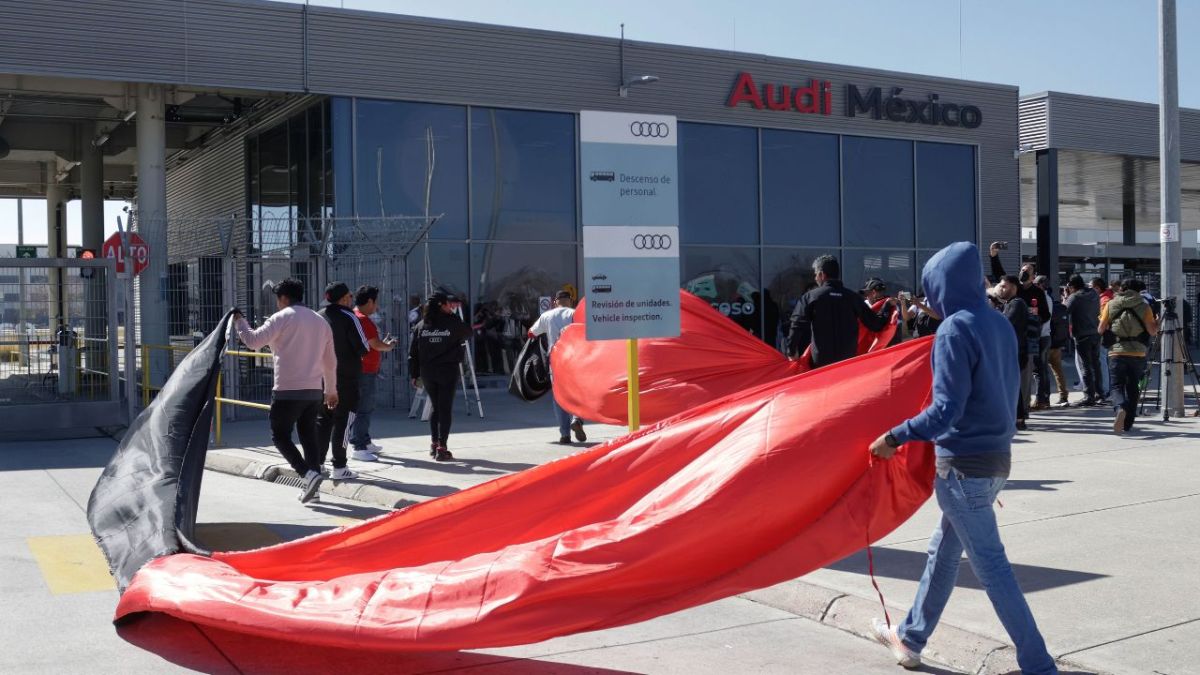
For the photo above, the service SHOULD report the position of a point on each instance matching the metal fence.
(59, 364)
(218, 263)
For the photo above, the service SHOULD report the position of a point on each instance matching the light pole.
(1173, 371)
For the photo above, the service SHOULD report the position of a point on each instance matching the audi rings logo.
(652, 242)
(650, 129)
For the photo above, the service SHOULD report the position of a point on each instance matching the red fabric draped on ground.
(711, 358)
(736, 494)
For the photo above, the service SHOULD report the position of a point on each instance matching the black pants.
(303, 416)
(1027, 363)
(1043, 370)
(1089, 358)
(1126, 374)
(331, 424)
(440, 387)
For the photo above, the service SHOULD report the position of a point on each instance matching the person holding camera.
(1036, 301)
(366, 303)
(1131, 320)
(827, 317)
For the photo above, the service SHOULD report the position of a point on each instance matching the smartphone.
(1002, 245)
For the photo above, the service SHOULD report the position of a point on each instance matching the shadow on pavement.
(249, 536)
(212, 650)
(908, 565)
(347, 510)
(1038, 485)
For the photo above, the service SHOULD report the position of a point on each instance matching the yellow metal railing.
(221, 400)
(148, 389)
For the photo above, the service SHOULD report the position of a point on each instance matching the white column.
(152, 223)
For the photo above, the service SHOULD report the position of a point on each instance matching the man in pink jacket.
(305, 376)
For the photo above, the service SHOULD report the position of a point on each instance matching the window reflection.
(393, 146)
(510, 285)
(718, 184)
(877, 197)
(787, 275)
(726, 278)
(894, 267)
(800, 193)
(945, 194)
(522, 175)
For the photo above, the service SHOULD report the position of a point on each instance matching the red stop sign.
(138, 251)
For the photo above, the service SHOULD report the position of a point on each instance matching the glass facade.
(757, 206)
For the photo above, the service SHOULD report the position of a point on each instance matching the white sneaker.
(374, 448)
(312, 483)
(887, 636)
(364, 455)
(343, 473)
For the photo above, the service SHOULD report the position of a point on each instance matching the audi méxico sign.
(630, 225)
(815, 97)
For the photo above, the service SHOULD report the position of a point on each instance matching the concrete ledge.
(366, 492)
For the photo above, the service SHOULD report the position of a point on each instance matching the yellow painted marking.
(71, 563)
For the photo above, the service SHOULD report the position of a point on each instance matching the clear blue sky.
(1097, 47)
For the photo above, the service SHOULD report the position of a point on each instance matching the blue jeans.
(969, 522)
(565, 419)
(360, 431)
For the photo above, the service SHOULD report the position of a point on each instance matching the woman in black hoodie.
(433, 359)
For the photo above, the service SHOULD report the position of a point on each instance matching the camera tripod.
(1169, 346)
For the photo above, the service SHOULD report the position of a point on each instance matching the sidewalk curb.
(951, 646)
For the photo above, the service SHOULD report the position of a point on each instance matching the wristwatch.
(891, 440)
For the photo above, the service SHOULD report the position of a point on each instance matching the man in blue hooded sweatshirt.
(970, 421)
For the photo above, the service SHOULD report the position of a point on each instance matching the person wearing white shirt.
(551, 324)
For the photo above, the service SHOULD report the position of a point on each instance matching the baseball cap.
(875, 284)
(562, 295)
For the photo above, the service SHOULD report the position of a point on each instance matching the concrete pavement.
(1100, 529)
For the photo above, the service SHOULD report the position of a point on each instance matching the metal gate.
(59, 363)
(234, 262)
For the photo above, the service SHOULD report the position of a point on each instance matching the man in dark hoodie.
(1083, 312)
(350, 344)
(828, 317)
(970, 422)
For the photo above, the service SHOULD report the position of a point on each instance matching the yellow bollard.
(218, 412)
(634, 413)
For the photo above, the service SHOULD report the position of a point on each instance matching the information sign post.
(630, 196)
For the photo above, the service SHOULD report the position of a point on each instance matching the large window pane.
(800, 188)
(726, 278)
(275, 190)
(945, 194)
(894, 267)
(877, 192)
(718, 184)
(393, 154)
(341, 131)
(523, 175)
(507, 281)
(787, 275)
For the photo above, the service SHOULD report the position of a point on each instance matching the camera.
(904, 295)
(1002, 245)
(1169, 303)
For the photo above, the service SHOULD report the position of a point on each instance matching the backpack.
(1060, 326)
(1127, 325)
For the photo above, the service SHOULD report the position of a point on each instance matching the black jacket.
(1033, 295)
(1060, 326)
(1083, 310)
(349, 342)
(437, 344)
(1017, 313)
(828, 317)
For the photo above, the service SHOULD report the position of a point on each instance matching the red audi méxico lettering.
(816, 98)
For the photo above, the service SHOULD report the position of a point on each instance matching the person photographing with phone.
(366, 303)
(305, 376)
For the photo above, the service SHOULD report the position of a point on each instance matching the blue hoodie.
(975, 376)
